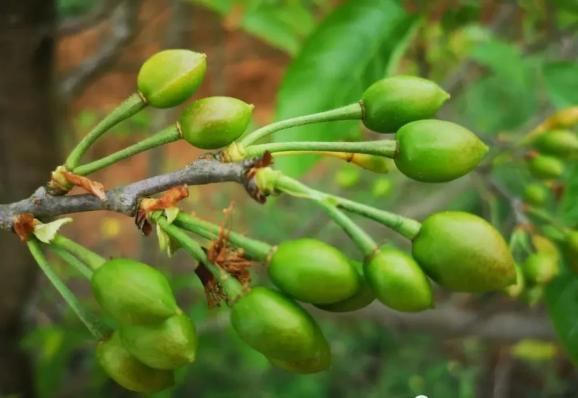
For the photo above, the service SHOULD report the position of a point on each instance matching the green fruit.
(562, 143)
(170, 77)
(362, 298)
(544, 166)
(277, 327)
(464, 253)
(516, 289)
(536, 194)
(318, 363)
(313, 271)
(398, 281)
(129, 372)
(215, 122)
(390, 103)
(540, 267)
(437, 151)
(166, 345)
(132, 292)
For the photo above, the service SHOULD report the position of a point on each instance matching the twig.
(73, 25)
(124, 199)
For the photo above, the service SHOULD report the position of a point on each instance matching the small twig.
(124, 199)
(73, 25)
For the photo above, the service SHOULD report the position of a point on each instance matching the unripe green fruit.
(170, 77)
(362, 298)
(166, 345)
(390, 103)
(536, 194)
(544, 166)
(562, 143)
(434, 150)
(277, 327)
(318, 363)
(132, 292)
(313, 271)
(540, 267)
(398, 281)
(215, 122)
(129, 372)
(464, 253)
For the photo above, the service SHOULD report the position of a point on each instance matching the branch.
(123, 23)
(74, 25)
(124, 199)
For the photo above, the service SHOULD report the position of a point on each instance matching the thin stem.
(93, 324)
(126, 109)
(361, 238)
(232, 288)
(165, 136)
(255, 249)
(386, 148)
(73, 261)
(352, 111)
(545, 217)
(403, 225)
(87, 256)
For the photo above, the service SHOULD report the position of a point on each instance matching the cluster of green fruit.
(152, 337)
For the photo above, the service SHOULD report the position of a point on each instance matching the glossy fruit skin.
(536, 194)
(434, 150)
(169, 77)
(390, 103)
(313, 271)
(540, 267)
(166, 345)
(129, 372)
(464, 253)
(545, 166)
(562, 143)
(279, 328)
(398, 281)
(131, 292)
(215, 122)
(318, 363)
(360, 299)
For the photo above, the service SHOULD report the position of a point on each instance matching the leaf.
(171, 214)
(351, 48)
(568, 209)
(561, 80)
(562, 303)
(46, 232)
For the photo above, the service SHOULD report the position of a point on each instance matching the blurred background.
(66, 63)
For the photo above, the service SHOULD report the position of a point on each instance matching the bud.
(127, 371)
(464, 253)
(392, 102)
(166, 345)
(536, 194)
(437, 151)
(377, 164)
(313, 271)
(132, 292)
(398, 281)
(215, 122)
(169, 77)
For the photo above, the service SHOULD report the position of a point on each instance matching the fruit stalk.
(386, 148)
(165, 136)
(352, 111)
(87, 256)
(230, 285)
(71, 260)
(92, 323)
(255, 249)
(126, 109)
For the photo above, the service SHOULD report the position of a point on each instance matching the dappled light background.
(507, 65)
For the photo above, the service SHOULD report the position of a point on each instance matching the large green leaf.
(353, 46)
(561, 79)
(562, 303)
